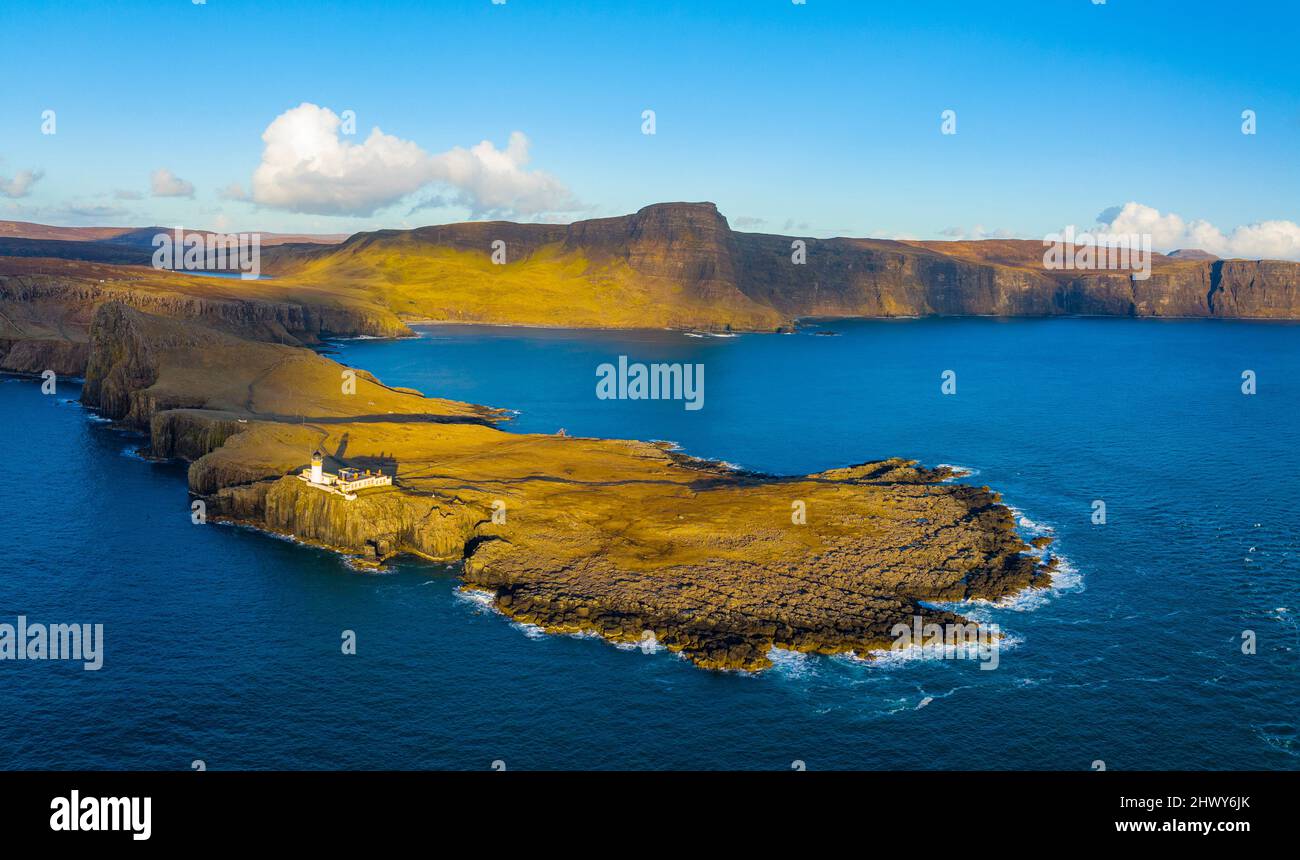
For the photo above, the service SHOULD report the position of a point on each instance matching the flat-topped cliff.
(680, 264)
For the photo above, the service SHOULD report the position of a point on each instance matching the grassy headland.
(611, 536)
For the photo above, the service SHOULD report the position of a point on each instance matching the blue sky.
(818, 119)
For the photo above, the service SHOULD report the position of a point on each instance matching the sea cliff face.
(45, 316)
(37, 355)
(669, 265)
(617, 537)
(141, 365)
(685, 255)
(377, 524)
(257, 319)
(1268, 289)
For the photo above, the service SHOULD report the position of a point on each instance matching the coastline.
(798, 324)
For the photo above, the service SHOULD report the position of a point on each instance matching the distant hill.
(1191, 254)
(669, 265)
(140, 235)
(681, 265)
(27, 230)
(124, 246)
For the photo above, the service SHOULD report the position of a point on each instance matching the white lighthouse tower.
(317, 458)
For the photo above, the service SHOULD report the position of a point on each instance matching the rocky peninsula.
(614, 537)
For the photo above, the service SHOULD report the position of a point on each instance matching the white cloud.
(164, 183)
(74, 212)
(976, 232)
(308, 167)
(94, 212)
(494, 181)
(126, 194)
(21, 183)
(1261, 240)
(233, 191)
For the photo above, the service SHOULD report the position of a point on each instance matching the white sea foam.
(1029, 525)
(266, 532)
(892, 658)
(1034, 529)
(485, 601)
(1066, 579)
(353, 563)
(793, 664)
(360, 564)
(477, 596)
(649, 646)
(676, 447)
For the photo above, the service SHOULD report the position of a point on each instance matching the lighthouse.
(346, 482)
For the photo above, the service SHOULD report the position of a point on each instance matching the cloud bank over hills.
(1271, 240)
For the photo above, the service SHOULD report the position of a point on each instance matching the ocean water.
(223, 644)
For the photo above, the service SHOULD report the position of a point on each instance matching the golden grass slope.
(551, 286)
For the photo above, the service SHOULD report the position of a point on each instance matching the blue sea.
(222, 644)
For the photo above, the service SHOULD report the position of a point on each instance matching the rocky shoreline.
(619, 538)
